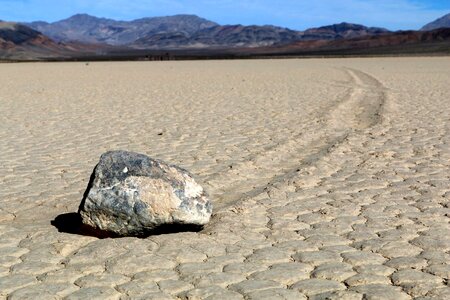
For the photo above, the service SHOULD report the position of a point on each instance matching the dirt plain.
(330, 178)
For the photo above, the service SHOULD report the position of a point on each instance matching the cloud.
(297, 14)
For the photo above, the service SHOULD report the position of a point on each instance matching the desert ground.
(330, 178)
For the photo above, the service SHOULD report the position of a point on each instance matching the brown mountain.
(253, 36)
(402, 42)
(341, 31)
(19, 42)
(182, 31)
(221, 37)
(89, 29)
(190, 36)
(443, 22)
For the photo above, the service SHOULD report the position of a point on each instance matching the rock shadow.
(71, 223)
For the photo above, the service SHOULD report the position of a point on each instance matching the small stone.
(132, 194)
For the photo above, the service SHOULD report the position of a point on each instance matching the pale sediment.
(330, 177)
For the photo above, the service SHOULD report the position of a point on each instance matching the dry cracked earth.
(330, 178)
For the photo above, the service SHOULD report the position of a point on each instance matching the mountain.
(443, 22)
(341, 31)
(86, 37)
(89, 29)
(221, 36)
(21, 42)
(401, 42)
(181, 31)
(253, 36)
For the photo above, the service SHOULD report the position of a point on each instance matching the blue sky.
(295, 14)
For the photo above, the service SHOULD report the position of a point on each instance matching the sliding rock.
(132, 194)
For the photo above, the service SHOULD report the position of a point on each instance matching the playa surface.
(330, 178)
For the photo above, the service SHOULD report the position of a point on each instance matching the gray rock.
(133, 194)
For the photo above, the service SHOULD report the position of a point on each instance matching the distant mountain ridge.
(86, 37)
(19, 41)
(89, 29)
(181, 31)
(341, 31)
(221, 36)
(442, 22)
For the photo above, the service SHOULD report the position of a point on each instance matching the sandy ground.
(330, 178)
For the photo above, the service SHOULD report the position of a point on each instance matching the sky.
(294, 14)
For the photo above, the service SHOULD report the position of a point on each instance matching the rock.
(133, 194)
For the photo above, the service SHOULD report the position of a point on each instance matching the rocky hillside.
(88, 29)
(341, 31)
(183, 31)
(21, 42)
(443, 22)
(222, 36)
(401, 42)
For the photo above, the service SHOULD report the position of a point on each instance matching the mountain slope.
(222, 36)
(411, 42)
(89, 29)
(183, 31)
(341, 31)
(21, 42)
(254, 36)
(442, 22)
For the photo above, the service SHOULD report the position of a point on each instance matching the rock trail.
(360, 109)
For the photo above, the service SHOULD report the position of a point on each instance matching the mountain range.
(186, 31)
(83, 34)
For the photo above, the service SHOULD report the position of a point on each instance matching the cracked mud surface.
(330, 178)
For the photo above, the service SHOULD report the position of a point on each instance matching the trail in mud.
(360, 109)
